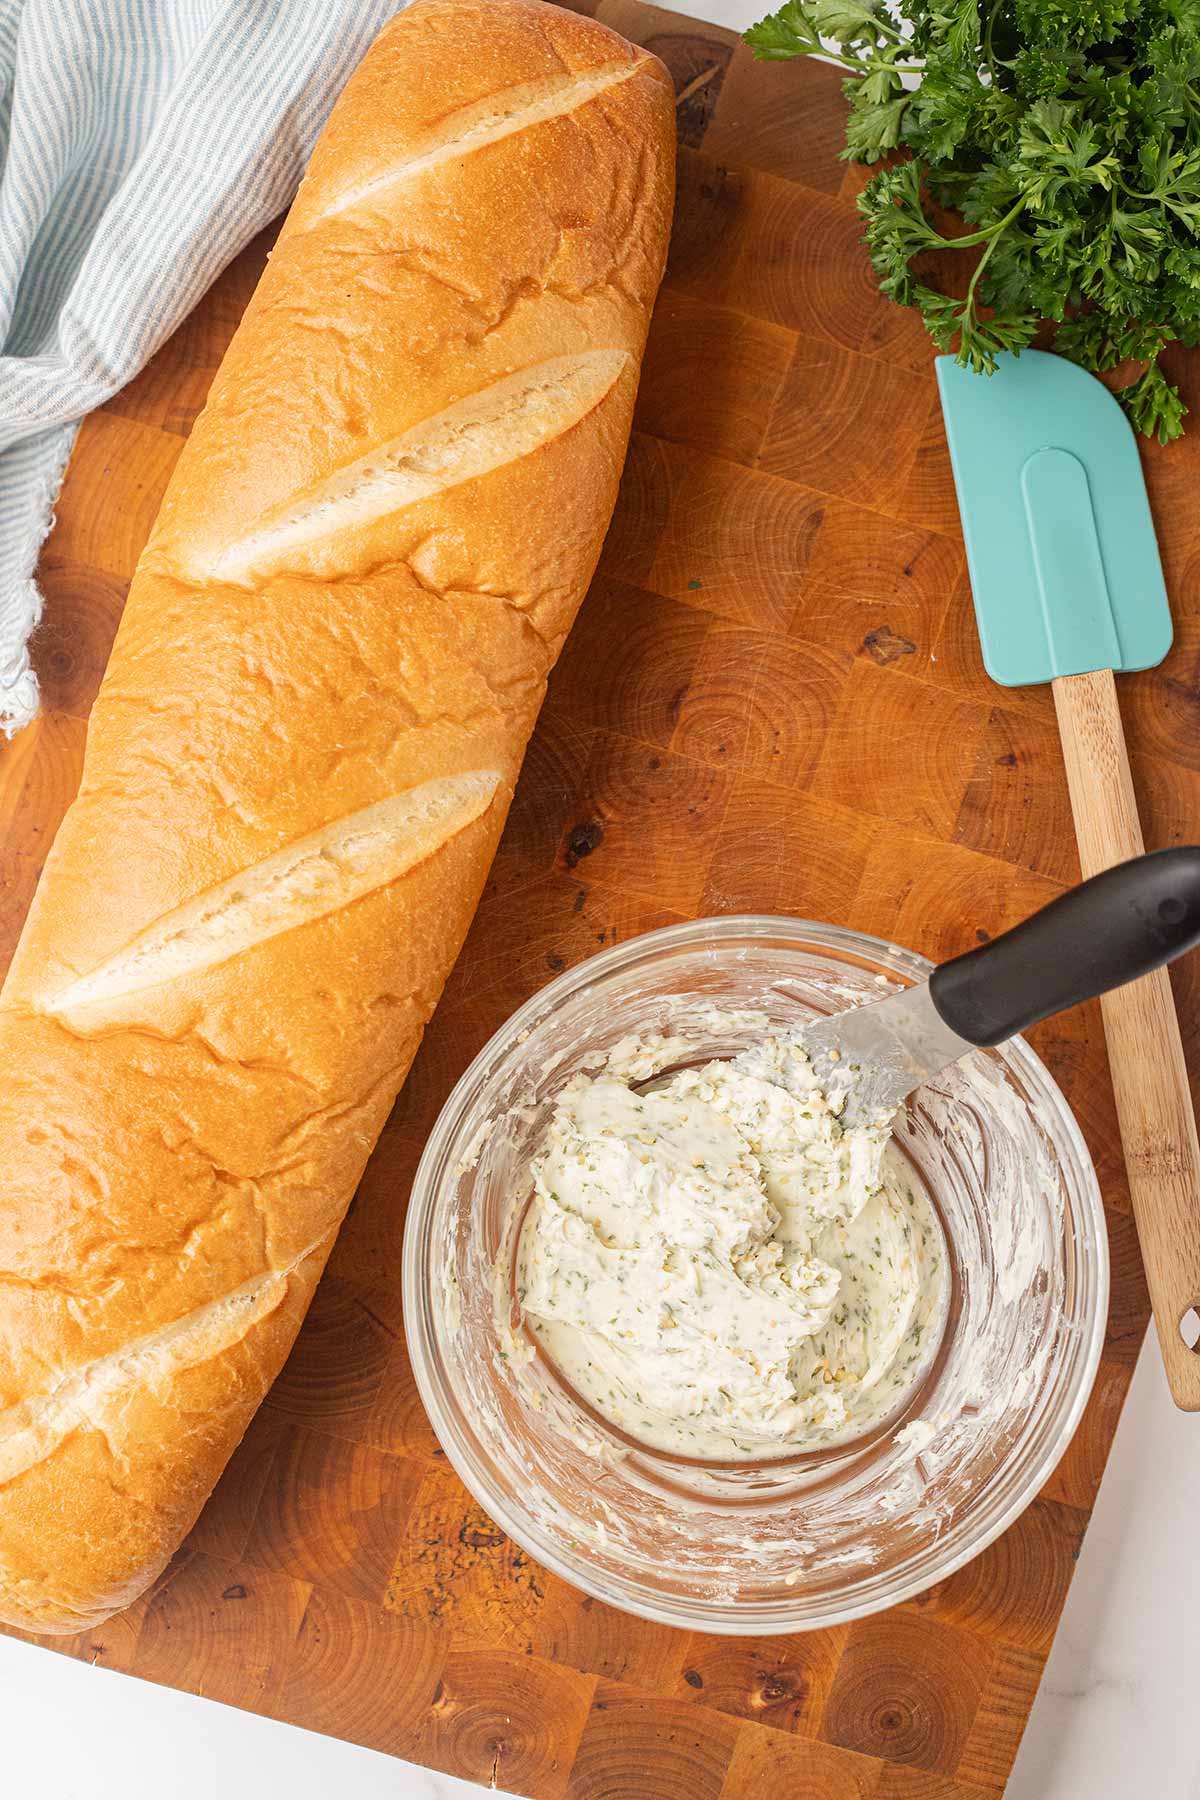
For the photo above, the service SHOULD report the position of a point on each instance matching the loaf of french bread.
(300, 760)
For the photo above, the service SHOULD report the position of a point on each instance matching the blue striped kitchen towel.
(142, 143)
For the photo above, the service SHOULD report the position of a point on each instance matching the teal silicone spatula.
(1069, 589)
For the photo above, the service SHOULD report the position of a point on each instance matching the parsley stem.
(889, 27)
(993, 12)
(860, 64)
(986, 235)
(1162, 196)
(981, 265)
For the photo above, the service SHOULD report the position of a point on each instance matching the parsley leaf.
(1154, 405)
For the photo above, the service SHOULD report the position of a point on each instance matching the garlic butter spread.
(719, 1268)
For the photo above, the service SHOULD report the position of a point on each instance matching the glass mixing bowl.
(809, 1539)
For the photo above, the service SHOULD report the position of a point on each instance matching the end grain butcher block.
(773, 701)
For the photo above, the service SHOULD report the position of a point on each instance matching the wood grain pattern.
(773, 701)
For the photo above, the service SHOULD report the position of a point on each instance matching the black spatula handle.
(1107, 931)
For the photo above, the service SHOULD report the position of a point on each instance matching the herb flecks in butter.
(719, 1268)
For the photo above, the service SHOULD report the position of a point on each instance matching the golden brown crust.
(300, 760)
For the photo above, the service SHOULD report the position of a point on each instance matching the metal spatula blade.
(879, 1054)
(1108, 931)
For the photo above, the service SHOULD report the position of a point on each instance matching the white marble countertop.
(1113, 1716)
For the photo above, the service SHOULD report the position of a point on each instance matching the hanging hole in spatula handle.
(1112, 929)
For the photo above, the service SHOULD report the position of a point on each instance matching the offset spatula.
(1110, 930)
(1068, 589)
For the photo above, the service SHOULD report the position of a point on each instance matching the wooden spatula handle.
(1145, 1053)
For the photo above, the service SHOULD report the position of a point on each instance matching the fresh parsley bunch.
(1065, 133)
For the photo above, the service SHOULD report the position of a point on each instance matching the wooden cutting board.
(773, 701)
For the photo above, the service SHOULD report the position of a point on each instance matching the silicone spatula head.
(1061, 549)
